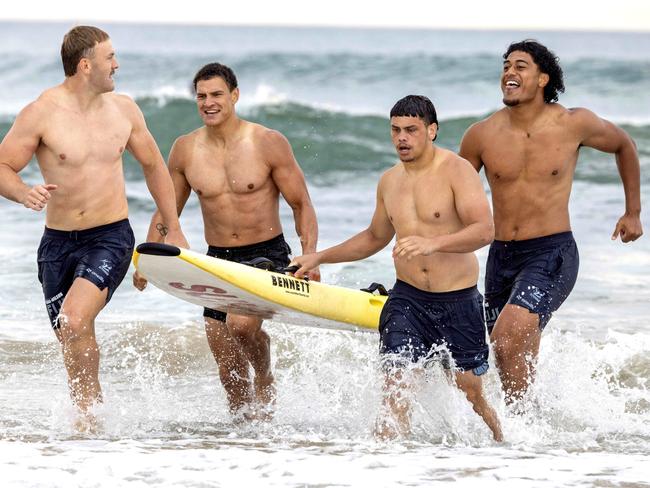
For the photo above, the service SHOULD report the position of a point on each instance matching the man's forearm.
(307, 227)
(360, 246)
(161, 189)
(157, 229)
(12, 187)
(627, 161)
(469, 239)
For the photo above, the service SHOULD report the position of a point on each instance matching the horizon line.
(594, 30)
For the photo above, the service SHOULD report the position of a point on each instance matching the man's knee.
(242, 329)
(74, 326)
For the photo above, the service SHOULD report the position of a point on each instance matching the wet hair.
(216, 70)
(416, 106)
(80, 43)
(547, 62)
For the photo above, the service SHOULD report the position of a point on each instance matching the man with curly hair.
(529, 150)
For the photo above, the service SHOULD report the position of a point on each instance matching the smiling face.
(215, 101)
(521, 80)
(102, 64)
(411, 137)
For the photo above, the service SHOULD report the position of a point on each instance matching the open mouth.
(512, 84)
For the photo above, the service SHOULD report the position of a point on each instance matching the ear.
(235, 95)
(543, 80)
(83, 66)
(432, 130)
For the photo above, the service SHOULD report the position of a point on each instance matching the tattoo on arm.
(162, 229)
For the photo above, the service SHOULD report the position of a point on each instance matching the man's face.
(521, 80)
(411, 137)
(215, 101)
(103, 64)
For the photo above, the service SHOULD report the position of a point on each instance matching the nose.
(508, 70)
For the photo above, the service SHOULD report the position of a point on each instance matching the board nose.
(158, 249)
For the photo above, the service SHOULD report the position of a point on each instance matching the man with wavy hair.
(530, 150)
(78, 131)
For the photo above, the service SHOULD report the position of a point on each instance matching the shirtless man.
(238, 169)
(529, 150)
(78, 131)
(435, 204)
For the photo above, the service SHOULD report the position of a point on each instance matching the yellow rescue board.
(237, 288)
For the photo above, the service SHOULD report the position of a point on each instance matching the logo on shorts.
(92, 272)
(535, 295)
(105, 267)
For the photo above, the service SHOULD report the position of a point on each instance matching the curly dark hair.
(548, 63)
(216, 70)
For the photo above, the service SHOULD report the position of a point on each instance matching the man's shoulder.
(186, 140)
(263, 134)
(122, 101)
(451, 162)
(483, 127)
(391, 174)
(578, 115)
(47, 101)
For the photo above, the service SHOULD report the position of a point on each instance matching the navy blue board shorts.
(101, 255)
(414, 324)
(276, 249)
(536, 274)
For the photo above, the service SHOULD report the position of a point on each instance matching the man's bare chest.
(425, 202)
(214, 174)
(71, 140)
(534, 157)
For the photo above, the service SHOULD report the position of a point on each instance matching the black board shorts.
(536, 274)
(275, 249)
(416, 324)
(101, 255)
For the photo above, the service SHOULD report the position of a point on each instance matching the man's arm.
(143, 147)
(607, 137)
(157, 230)
(16, 149)
(470, 146)
(473, 211)
(290, 180)
(364, 244)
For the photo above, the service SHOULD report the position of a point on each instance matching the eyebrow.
(406, 127)
(216, 92)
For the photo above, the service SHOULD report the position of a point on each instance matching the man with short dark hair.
(433, 201)
(238, 170)
(78, 131)
(530, 150)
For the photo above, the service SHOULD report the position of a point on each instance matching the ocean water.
(165, 421)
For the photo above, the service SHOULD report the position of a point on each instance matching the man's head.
(413, 126)
(528, 67)
(215, 86)
(88, 50)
